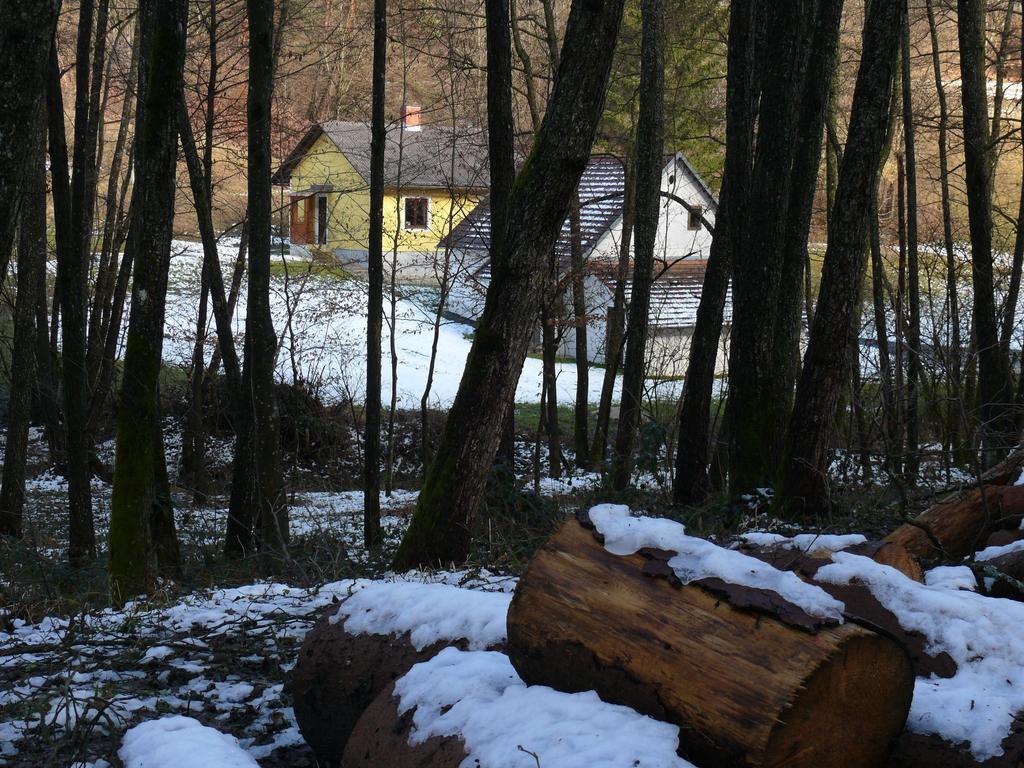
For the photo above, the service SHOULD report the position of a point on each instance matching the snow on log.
(1001, 570)
(753, 664)
(977, 710)
(793, 553)
(471, 708)
(373, 638)
(961, 522)
(181, 742)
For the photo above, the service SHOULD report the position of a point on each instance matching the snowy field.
(321, 322)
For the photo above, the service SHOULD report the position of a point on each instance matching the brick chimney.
(411, 116)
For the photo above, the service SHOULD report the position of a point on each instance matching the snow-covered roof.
(675, 293)
(600, 193)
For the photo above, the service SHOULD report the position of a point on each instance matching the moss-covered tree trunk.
(650, 140)
(541, 196)
(826, 363)
(139, 529)
(32, 249)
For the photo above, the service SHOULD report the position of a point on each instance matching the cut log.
(338, 675)
(381, 738)
(744, 688)
(884, 552)
(1002, 576)
(960, 523)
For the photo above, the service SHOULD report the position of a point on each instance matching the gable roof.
(601, 194)
(412, 158)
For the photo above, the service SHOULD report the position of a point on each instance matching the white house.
(685, 231)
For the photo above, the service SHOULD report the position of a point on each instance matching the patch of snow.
(805, 542)
(477, 696)
(428, 612)
(951, 577)
(158, 653)
(982, 635)
(698, 559)
(991, 553)
(181, 742)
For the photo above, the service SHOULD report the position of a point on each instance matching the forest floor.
(216, 644)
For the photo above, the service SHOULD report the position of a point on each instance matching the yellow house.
(433, 177)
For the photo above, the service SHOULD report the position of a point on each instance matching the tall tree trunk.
(549, 317)
(581, 410)
(71, 272)
(885, 378)
(454, 486)
(139, 511)
(994, 389)
(912, 462)
(814, 106)
(953, 364)
(31, 264)
(827, 358)
(650, 140)
(375, 269)
(755, 410)
(26, 37)
(1013, 292)
(691, 478)
(501, 155)
(616, 322)
(257, 487)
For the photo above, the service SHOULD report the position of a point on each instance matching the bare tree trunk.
(581, 411)
(501, 156)
(257, 486)
(375, 308)
(691, 478)
(455, 483)
(953, 364)
(912, 462)
(31, 264)
(827, 359)
(615, 324)
(650, 140)
(549, 315)
(71, 269)
(141, 520)
(994, 389)
(26, 37)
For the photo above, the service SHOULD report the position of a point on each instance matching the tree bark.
(70, 291)
(912, 461)
(581, 410)
(541, 196)
(994, 389)
(827, 359)
(616, 322)
(26, 38)
(375, 269)
(257, 486)
(32, 250)
(139, 494)
(691, 481)
(650, 163)
(549, 315)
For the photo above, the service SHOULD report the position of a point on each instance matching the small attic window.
(696, 213)
(417, 214)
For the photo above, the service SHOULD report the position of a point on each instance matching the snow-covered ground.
(321, 321)
(197, 681)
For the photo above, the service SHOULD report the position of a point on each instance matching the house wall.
(668, 349)
(675, 239)
(349, 212)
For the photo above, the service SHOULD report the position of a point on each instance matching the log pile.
(959, 524)
(746, 685)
